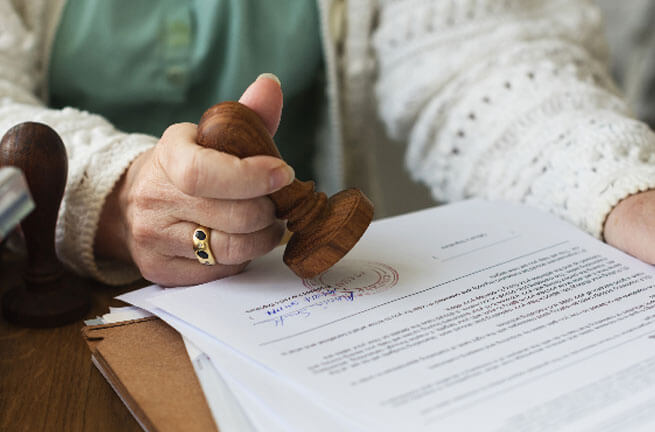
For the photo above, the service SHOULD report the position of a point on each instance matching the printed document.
(472, 316)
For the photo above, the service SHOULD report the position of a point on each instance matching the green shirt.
(146, 64)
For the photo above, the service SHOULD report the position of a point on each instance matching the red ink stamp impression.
(356, 276)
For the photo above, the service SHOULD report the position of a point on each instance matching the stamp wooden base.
(312, 251)
(47, 305)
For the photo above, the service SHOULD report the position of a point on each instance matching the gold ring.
(201, 246)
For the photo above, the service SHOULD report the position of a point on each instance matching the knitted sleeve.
(98, 154)
(510, 99)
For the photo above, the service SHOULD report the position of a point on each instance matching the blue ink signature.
(303, 307)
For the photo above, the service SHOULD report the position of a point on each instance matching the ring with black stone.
(201, 247)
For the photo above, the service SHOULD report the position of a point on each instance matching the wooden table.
(47, 380)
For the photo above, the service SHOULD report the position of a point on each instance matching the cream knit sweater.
(506, 99)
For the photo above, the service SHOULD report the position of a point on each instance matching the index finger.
(208, 173)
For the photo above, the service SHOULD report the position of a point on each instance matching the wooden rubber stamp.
(46, 298)
(324, 230)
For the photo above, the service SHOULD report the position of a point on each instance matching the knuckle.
(173, 129)
(189, 179)
(170, 130)
(251, 215)
(233, 250)
(252, 176)
(140, 197)
(236, 216)
(235, 167)
(141, 231)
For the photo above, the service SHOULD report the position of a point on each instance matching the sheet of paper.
(269, 402)
(478, 314)
(225, 407)
(226, 402)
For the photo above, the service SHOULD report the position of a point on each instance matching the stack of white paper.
(473, 316)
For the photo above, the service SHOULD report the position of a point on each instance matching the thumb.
(264, 96)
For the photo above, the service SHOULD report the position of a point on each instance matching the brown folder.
(146, 363)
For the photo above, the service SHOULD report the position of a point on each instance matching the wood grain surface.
(47, 380)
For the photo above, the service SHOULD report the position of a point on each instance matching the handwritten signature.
(304, 306)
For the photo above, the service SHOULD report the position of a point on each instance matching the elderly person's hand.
(631, 226)
(151, 215)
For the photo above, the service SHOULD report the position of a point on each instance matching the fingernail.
(271, 77)
(281, 177)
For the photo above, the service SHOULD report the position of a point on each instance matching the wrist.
(629, 226)
(111, 235)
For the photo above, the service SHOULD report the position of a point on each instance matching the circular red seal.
(356, 276)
